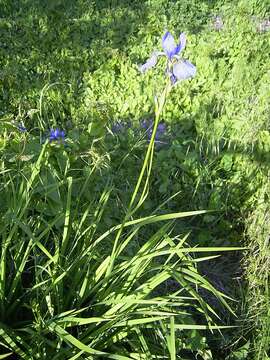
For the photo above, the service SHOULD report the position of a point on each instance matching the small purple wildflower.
(56, 134)
(217, 23)
(148, 126)
(118, 127)
(161, 128)
(22, 128)
(262, 25)
(177, 68)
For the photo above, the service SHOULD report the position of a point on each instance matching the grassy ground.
(74, 66)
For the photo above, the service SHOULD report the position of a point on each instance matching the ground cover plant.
(77, 117)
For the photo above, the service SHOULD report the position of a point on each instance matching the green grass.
(257, 274)
(74, 66)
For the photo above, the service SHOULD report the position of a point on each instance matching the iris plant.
(177, 68)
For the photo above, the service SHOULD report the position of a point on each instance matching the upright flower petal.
(184, 70)
(182, 43)
(151, 62)
(183, 40)
(168, 45)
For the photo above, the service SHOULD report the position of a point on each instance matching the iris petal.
(182, 43)
(168, 45)
(183, 40)
(151, 62)
(184, 70)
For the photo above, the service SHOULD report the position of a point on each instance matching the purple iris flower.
(170, 48)
(178, 69)
(161, 128)
(56, 134)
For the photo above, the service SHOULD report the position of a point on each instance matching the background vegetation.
(73, 65)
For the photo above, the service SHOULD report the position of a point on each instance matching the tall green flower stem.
(159, 106)
(146, 169)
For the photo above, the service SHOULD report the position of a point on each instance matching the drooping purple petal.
(150, 63)
(168, 45)
(117, 127)
(120, 126)
(53, 134)
(183, 70)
